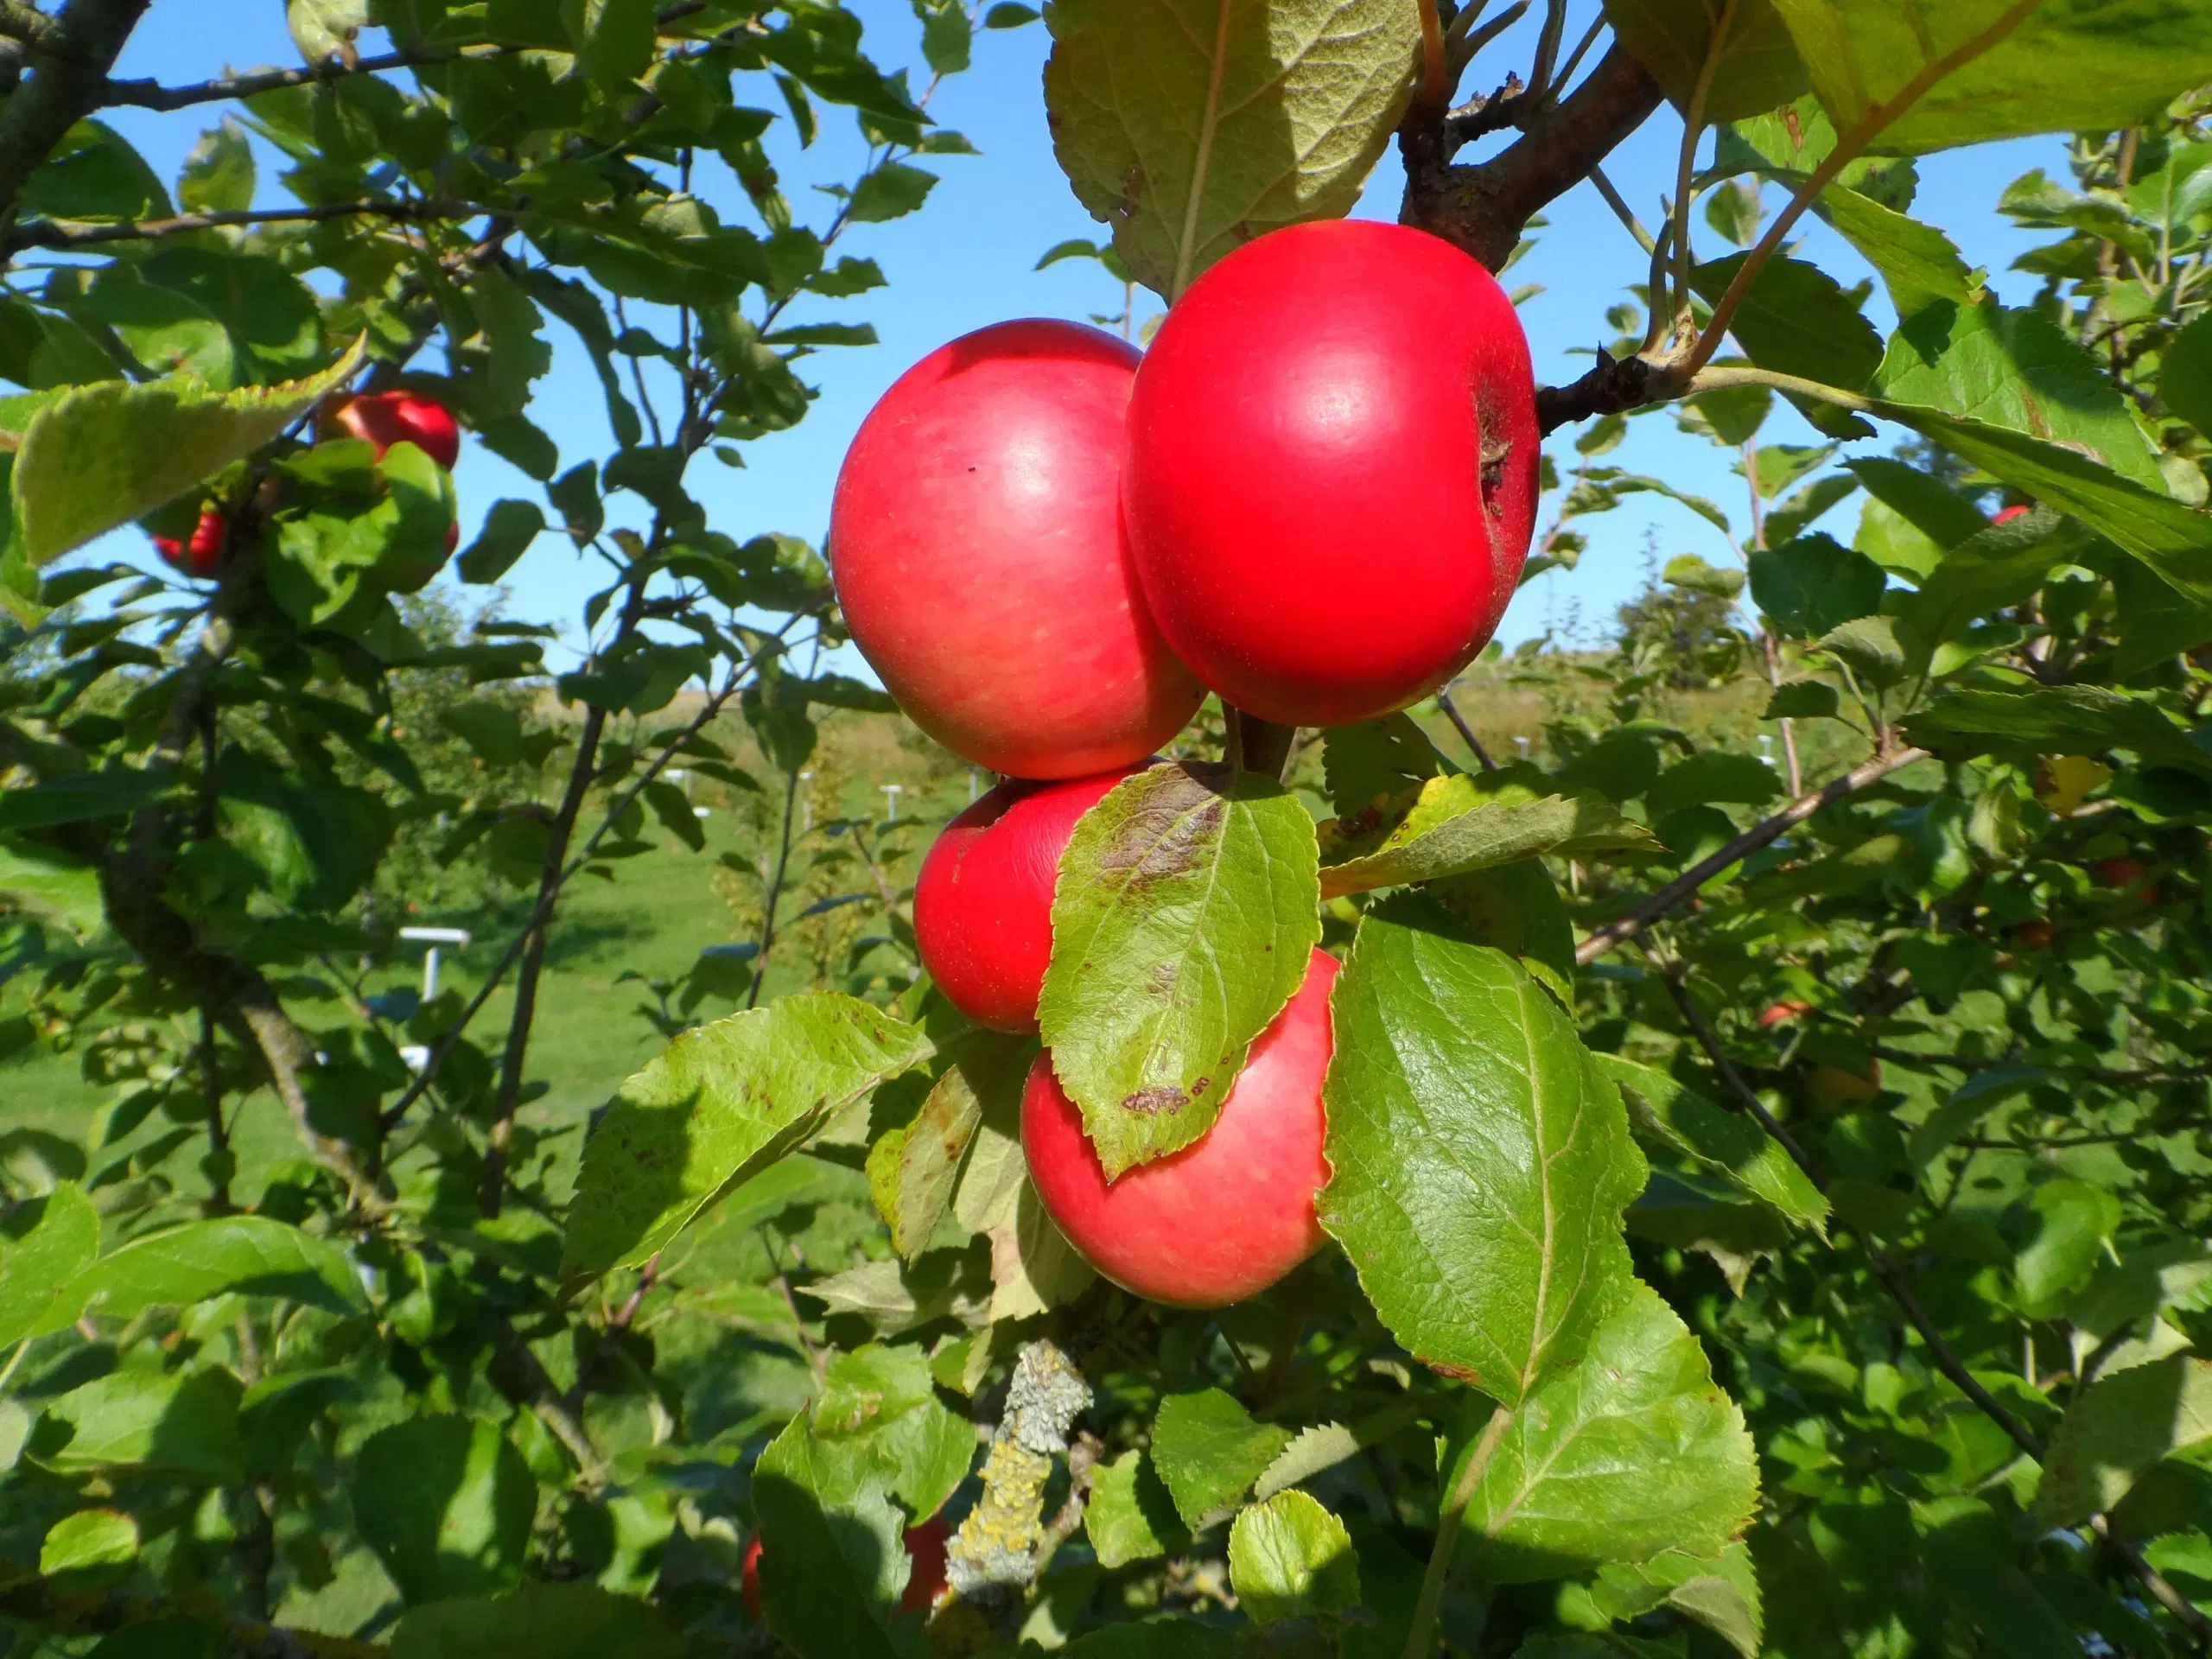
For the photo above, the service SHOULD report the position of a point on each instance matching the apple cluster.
(380, 419)
(1312, 496)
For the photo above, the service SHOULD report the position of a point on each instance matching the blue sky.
(967, 258)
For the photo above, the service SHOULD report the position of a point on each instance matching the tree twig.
(1604, 938)
(57, 233)
(1483, 207)
(1467, 732)
(68, 70)
(1419, 1635)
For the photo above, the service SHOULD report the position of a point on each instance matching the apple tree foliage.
(1770, 1199)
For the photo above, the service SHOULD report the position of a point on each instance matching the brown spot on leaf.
(1160, 1098)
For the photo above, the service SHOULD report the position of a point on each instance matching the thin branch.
(152, 95)
(1602, 939)
(1622, 211)
(1686, 163)
(1419, 1635)
(55, 234)
(1484, 207)
(1847, 149)
(1434, 93)
(1467, 732)
(445, 1045)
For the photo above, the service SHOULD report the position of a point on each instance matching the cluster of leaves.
(1885, 1109)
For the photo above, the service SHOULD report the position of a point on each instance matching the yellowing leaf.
(1192, 126)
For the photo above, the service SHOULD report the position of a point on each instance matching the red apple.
(384, 418)
(1331, 473)
(1227, 1215)
(2127, 874)
(202, 555)
(983, 902)
(2006, 515)
(2035, 934)
(975, 542)
(748, 1575)
(925, 1543)
(1782, 1012)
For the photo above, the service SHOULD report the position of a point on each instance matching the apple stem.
(1256, 745)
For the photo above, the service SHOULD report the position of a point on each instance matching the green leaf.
(1034, 1267)
(2065, 64)
(1940, 513)
(1192, 126)
(1918, 263)
(1713, 775)
(181, 1423)
(1209, 1450)
(91, 1544)
(447, 1504)
(2016, 369)
(1159, 1636)
(491, 730)
(1481, 1160)
(1795, 319)
(2168, 539)
(1802, 700)
(1756, 66)
(890, 190)
(1974, 1563)
(1868, 647)
(1792, 517)
(76, 796)
(1728, 1143)
(546, 1621)
(832, 1565)
(1372, 762)
(2119, 1426)
(1326, 1445)
(54, 889)
(227, 1255)
(1634, 1451)
(1517, 908)
(913, 1168)
(101, 455)
(509, 529)
(613, 38)
(1182, 924)
(1721, 1592)
(1997, 567)
(1131, 1516)
(2142, 1282)
(879, 1426)
(2054, 720)
(1690, 572)
(1289, 1558)
(93, 174)
(47, 1242)
(1466, 822)
(2185, 374)
(721, 1104)
(218, 175)
(167, 332)
(2075, 1222)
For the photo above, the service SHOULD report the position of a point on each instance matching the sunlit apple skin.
(384, 418)
(976, 543)
(983, 902)
(1331, 473)
(1229, 1214)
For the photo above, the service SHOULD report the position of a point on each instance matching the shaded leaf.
(1182, 923)
(1289, 1558)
